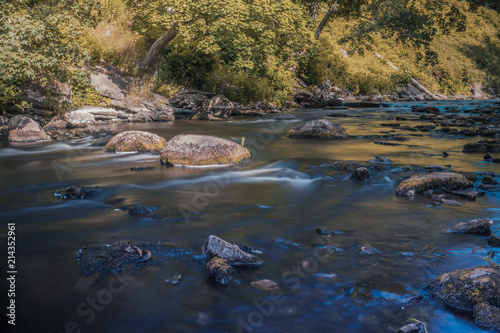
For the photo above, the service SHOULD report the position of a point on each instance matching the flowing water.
(273, 202)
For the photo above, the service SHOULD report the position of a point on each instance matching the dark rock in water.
(386, 143)
(473, 291)
(320, 128)
(494, 240)
(24, 129)
(379, 159)
(445, 154)
(425, 109)
(324, 231)
(76, 192)
(487, 180)
(366, 105)
(482, 146)
(487, 156)
(138, 209)
(129, 257)
(468, 194)
(434, 167)
(139, 168)
(472, 176)
(390, 124)
(339, 115)
(436, 180)
(345, 165)
(191, 149)
(425, 128)
(135, 141)
(361, 174)
(217, 247)
(411, 328)
(219, 271)
(480, 226)
(488, 187)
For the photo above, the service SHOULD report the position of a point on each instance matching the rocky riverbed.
(388, 224)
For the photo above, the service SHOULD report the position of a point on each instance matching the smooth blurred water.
(273, 202)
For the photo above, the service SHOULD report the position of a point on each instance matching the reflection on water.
(273, 203)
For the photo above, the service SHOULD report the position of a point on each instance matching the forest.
(250, 50)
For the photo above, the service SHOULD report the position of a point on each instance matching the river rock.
(473, 291)
(217, 247)
(265, 285)
(411, 328)
(483, 146)
(24, 129)
(219, 271)
(345, 165)
(55, 124)
(494, 240)
(379, 159)
(76, 192)
(361, 174)
(320, 128)
(191, 149)
(218, 106)
(425, 109)
(79, 118)
(138, 209)
(430, 181)
(478, 226)
(131, 257)
(135, 141)
(470, 194)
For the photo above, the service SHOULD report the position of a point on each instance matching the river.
(273, 202)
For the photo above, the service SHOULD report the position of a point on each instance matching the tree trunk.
(323, 22)
(155, 49)
(423, 89)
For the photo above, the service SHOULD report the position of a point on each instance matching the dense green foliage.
(251, 50)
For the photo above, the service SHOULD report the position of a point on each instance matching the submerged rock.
(483, 146)
(467, 194)
(24, 129)
(219, 271)
(494, 240)
(191, 149)
(411, 328)
(361, 174)
(345, 165)
(473, 291)
(138, 209)
(265, 285)
(324, 231)
(319, 128)
(135, 141)
(217, 247)
(76, 192)
(478, 226)
(129, 257)
(430, 181)
(379, 159)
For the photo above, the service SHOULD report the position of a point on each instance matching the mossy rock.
(219, 271)
(431, 181)
(202, 150)
(319, 128)
(474, 291)
(135, 141)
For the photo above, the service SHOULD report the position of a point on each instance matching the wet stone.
(494, 240)
(379, 159)
(479, 226)
(471, 195)
(325, 231)
(361, 174)
(138, 209)
(219, 271)
(411, 328)
(76, 192)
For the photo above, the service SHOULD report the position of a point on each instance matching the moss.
(423, 182)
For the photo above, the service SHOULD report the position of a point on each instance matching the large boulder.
(231, 253)
(474, 291)
(56, 123)
(191, 149)
(24, 129)
(431, 181)
(319, 128)
(135, 141)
